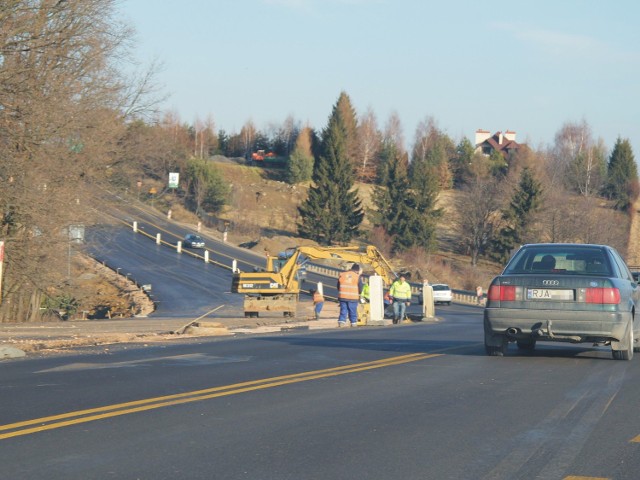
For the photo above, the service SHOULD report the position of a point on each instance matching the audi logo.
(549, 283)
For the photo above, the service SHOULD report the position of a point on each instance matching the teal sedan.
(558, 292)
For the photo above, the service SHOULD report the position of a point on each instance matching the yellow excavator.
(276, 289)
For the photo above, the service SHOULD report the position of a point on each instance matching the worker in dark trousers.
(400, 293)
(349, 287)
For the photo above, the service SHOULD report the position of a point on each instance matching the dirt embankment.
(633, 248)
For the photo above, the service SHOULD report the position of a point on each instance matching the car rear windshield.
(568, 260)
(440, 287)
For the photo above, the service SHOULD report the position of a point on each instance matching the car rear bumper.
(556, 325)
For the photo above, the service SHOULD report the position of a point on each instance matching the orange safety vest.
(317, 298)
(348, 286)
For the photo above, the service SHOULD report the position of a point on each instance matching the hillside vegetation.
(262, 215)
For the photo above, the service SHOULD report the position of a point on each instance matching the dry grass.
(268, 222)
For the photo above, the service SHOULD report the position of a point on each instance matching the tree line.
(504, 199)
(71, 121)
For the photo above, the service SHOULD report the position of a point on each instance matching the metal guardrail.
(461, 296)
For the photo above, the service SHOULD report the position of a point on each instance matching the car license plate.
(549, 294)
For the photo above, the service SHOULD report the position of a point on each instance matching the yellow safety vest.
(400, 291)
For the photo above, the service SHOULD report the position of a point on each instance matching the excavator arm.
(277, 288)
(284, 280)
(371, 257)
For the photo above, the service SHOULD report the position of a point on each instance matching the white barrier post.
(234, 266)
(428, 304)
(206, 256)
(158, 241)
(135, 227)
(376, 301)
(179, 247)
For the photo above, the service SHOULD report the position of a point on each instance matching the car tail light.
(502, 293)
(602, 295)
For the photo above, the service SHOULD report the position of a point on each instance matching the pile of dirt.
(103, 293)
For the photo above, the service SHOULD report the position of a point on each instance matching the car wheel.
(448, 303)
(499, 350)
(627, 352)
(526, 345)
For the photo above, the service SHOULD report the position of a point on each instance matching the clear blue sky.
(523, 66)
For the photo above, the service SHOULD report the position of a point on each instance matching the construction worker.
(364, 307)
(400, 293)
(364, 293)
(348, 295)
(318, 302)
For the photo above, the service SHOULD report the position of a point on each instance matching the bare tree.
(571, 218)
(248, 137)
(425, 139)
(579, 160)
(369, 144)
(393, 133)
(63, 104)
(478, 215)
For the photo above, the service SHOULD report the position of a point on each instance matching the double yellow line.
(83, 416)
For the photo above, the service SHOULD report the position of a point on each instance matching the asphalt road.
(413, 401)
(181, 285)
(418, 401)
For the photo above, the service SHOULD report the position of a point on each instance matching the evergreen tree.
(622, 175)
(332, 213)
(498, 164)
(300, 164)
(425, 189)
(405, 210)
(526, 200)
(461, 163)
(392, 189)
(223, 143)
(206, 188)
(345, 109)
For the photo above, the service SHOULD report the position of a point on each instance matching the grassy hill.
(263, 214)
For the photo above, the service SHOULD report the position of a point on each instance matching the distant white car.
(441, 294)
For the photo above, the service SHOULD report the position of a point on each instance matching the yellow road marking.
(83, 416)
(577, 477)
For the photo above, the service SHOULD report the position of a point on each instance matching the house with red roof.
(505, 143)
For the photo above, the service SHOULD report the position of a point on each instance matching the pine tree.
(300, 164)
(425, 190)
(345, 109)
(332, 213)
(405, 210)
(622, 175)
(461, 163)
(392, 190)
(525, 202)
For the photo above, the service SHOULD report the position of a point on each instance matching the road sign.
(174, 179)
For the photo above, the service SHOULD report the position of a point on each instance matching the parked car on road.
(441, 294)
(578, 293)
(192, 240)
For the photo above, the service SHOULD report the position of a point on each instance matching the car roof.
(565, 245)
